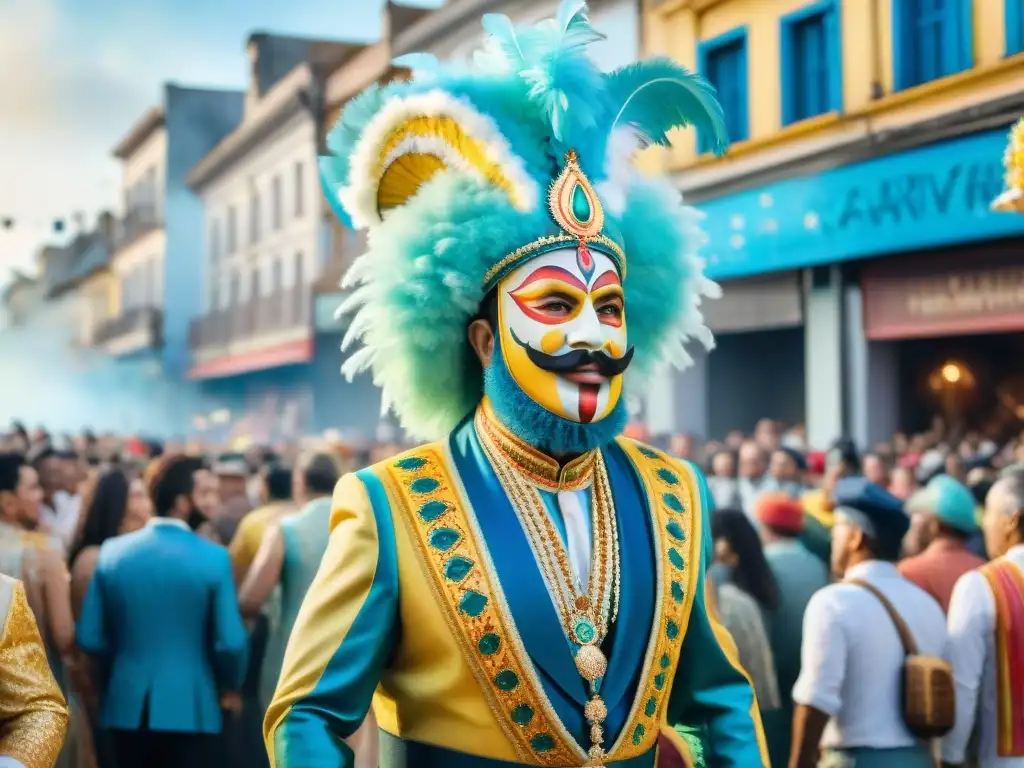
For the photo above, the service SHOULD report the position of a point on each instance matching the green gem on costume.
(489, 644)
(410, 463)
(424, 485)
(580, 204)
(542, 742)
(672, 502)
(457, 568)
(431, 510)
(584, 631)
(506, 680)
(522, 715)
(444, 538)
(472, 603)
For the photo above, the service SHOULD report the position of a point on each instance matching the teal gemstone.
(677, 591)
(472, 603)
(410, 462)
(444, 538)
(431, 510)
(675, 558)
(638, 734)
(489, 644)
(424, 485)
(457, 568)
(580, 204)
(659, 680)
(650, 453)
(506, 680)
(542, 742)
(664, 661)
(675, 530)
(584, 631)
(522, 715)
(672, 630)
(672, 502)
(650, 707)
(668, 476)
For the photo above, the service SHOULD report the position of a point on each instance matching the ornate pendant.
(591, 663)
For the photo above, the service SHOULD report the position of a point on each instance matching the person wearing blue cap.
(941, 521)
(848, 696)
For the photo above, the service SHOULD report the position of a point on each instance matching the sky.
(75, 76)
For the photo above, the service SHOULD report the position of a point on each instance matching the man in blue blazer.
(162, 619)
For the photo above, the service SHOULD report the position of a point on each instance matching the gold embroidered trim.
(674, 498)
(541, 242)
(427, 493)
(539, 468)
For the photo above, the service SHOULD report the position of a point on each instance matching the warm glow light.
(951, 372)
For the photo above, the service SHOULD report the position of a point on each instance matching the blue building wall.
(929, 197)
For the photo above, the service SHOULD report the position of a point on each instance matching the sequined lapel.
(425, 485)
(674, 498)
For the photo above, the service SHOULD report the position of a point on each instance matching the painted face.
(563, 332)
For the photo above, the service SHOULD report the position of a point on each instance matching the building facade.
(255, 345)
(141, 304)
(849, 221)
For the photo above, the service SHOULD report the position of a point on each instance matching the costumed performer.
(529, 589)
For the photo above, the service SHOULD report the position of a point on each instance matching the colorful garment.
(501, 606)
(33, 713)
(1006, 581)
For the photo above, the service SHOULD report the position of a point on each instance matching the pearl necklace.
(585, 614)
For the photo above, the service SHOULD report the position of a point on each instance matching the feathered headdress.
(459, 176)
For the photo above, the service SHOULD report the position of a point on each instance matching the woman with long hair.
(114, 504)
(745, 592)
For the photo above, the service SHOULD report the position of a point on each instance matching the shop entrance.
(974, 382)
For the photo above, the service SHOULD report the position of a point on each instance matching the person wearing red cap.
(799, 574)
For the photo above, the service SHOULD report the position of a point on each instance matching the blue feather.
(503, 39)
(658, 95)
(419, 62)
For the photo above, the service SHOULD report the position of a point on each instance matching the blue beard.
(536, 425)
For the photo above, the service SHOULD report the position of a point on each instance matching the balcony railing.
(263, 317)
(137, 223)
(135, 329)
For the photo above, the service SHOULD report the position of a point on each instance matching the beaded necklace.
(585, 612)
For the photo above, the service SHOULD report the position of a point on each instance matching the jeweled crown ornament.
(1012, 199)
(577, 210)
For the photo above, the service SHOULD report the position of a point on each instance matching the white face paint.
(559, 302)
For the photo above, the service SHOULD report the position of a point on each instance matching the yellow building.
(850, 213)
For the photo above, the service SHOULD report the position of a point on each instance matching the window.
(214, 241)
(812, 66)
(298, 189)
(298, 269)
(232, 238)
(1014, 26)
(149, 284)
(276, 276)
(275, 203)
(931, 39)
(234, 290)
(723, 61)
(254, 217)
(214, 304)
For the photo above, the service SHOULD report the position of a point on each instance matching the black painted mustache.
(568, 362)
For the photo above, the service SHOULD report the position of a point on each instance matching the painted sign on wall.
(928, 197)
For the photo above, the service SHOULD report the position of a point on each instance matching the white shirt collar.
(879, 569)
(1016, 552)
(156, 521)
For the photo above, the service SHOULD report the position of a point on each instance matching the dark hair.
(10, 471)
(279, 483)
(174, 477)
(489, 309)
(320, 473)
(42, 455)
(752, 573)
(103, 510)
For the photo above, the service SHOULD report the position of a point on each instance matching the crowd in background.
(67, 505)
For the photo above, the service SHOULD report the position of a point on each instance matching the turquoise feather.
(657, 95)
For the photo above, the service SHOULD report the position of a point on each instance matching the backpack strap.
(906, 638)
